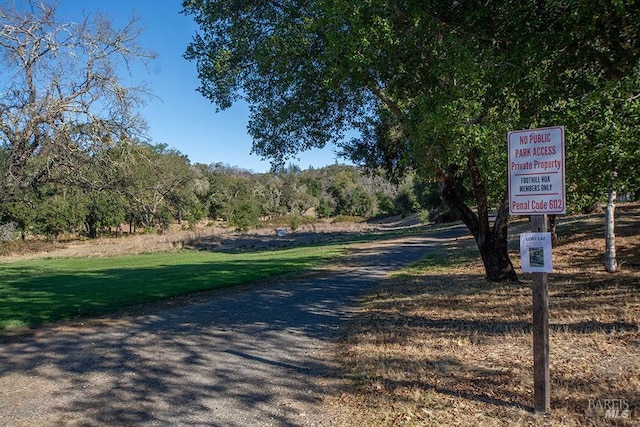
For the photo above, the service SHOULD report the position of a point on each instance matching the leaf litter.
(448, 348)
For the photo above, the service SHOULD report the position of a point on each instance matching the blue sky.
(181, 117)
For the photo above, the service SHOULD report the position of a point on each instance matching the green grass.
(45, 290)
(439, 261)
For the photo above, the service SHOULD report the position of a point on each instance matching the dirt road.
(259, 355)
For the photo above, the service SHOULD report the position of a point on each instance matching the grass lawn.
(44, 290)
(439, 346)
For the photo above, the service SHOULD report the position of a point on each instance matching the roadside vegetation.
(189, 196)
(435, 345)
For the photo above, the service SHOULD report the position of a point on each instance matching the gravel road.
(252, 356)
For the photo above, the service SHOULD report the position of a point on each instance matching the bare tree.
(61, 95)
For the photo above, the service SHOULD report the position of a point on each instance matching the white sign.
(535, 252)
(536, 171)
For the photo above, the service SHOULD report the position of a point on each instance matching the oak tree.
(62, 95)
(430, 86)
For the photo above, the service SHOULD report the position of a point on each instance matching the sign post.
(537, 188)
(541, 376)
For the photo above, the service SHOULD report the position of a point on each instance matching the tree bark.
(492, 241)
(610, 261)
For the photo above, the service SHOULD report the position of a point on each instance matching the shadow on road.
(242, 357)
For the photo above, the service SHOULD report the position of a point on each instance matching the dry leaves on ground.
(447, 348)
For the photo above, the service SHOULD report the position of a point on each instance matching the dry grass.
(443, 347)
(216, 236)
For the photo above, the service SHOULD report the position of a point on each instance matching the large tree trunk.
(495, 250)
(491, 240)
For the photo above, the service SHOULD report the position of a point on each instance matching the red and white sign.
(536, 171)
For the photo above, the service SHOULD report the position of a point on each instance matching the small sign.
(535, 252)
(536, 171)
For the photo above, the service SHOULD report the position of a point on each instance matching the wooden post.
(541, 377)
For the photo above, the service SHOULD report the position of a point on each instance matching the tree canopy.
(74, 158)
(431, 86)
(62, 98)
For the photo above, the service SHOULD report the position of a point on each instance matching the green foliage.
(603, 152)
(157, 187)
(350, 198)
(324, 208)
(159, 183)
(245, 214)
(427, 85)
(361, 203)
(406, 202)
(59, 214)
(22, 213)
(104, 210)
(432, 87)
(386, 206)
(424, 216)
(295, 221)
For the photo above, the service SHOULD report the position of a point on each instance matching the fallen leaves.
(451, 349)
